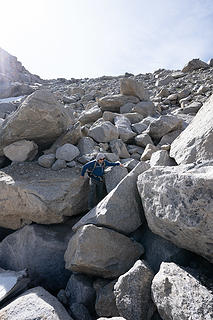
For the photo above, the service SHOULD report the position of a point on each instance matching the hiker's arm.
(84, 169)
(112, 164)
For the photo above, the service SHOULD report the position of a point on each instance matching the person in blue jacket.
(95, 170)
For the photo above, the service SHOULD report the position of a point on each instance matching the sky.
(92, 38)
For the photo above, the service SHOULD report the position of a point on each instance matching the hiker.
(95, 170)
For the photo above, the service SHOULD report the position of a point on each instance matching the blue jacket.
(98, 171)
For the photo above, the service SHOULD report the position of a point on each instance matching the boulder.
(139, 127)
(178, 205)
(80, 312)
(195, 142)
(35, 303)
(11, 283)
(165, 81)
(121, 208)
(145, 108)
(178, 295)
(113, 176)
(46, 160)
(124, 128)
(131, 87)
(149, 150)
(127, 107)
(143, 139)
(195, 64)
(90, 115)
(6, 108)
(32, 193)
(133, 292)
(67, 152)
(161, 158)
(163, 125)
(34, 248)
(59, 164)
(39, 118)
(103, 131)
(114, 102)
(86, 145)
(111, 253)
(105, 305)
(118, 147)
(22, 150)
(192, 108)
(169, 138)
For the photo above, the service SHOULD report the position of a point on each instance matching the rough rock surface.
(103, 131)
(111, 253)
(105, 305)
(179, 296)
(35, 303)
(21, 150)
(131, 87)
(177, 202)
(32, 193)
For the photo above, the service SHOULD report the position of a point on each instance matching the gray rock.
(192, 108)
(114, 102)
(121, 208)
(169, 138)
(80, 312)
(149, 150)
(161, 158)
(113, 318)
(6, 108)
(163, 125)
(90, 115)
(133, 294)
(34, 248)
(165, 81)
(67, 152)
(195, 142)
(210, 62)
(143, 139)
(39, 118)
(131, 87)
(22, 150)
(35, 303)
(178, 295)
(86, 145)
(111, 253)
(113, 176)
(195, 64)
(145, 108)
(124, 128)
(59, 164)
(47, 160)
(178, 205)
(103, 131)
(105, 305)
(32, 193)
(118, 147)
(139, 127)
(130, 164)
(125, 108)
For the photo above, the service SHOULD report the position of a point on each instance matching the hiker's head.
(100, 157)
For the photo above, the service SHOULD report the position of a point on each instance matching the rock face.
(35, 303)
(133, 293)
(32, 193)
(195, 142)
(177, 202)
(21, 150)
(179, 296)
(111, 253)
(121, 208)
(195, 64)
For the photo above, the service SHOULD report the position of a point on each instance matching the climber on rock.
(95, 171)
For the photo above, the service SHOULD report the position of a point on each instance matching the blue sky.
(91, 38)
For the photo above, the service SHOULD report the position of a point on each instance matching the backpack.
(90, 172)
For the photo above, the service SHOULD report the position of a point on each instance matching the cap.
(100, 156)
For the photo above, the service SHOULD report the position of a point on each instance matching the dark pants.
(96, 192)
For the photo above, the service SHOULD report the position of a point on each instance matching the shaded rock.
(22, 150)
(67, 152)
(6, 109)
(192, 108)
(178, 205)
(133, 292)
(35, 303)
(161, 158)
(59, 164)
(139, 127)
(163, 125)
(86, 145)
(165, 81)
(103, 131)
(195, 142)
(39, 118)
(111, 253)
(105, 305)
(130, 163)
(47, 160)
(32, 193)
(118, 147)
(143, 139)
(124, 128)
(178, 295)
(169, 137)
(90, 115)
(195, 64)
(35, 247)
(80, 312)
(121, 208)
(131, 87)
(114, 102)
(145, 108)
(113, 176)
(127, 107)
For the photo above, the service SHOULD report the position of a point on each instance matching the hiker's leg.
(92, 194)
(100, 189)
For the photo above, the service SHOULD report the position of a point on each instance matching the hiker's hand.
(121, 165)
(82, 177)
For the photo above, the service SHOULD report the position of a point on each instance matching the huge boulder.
(35, 246)
(131, 87)
(21, 150)
(178, 295)
(31, 193)
(111, 253)
(103, 131)
(39, 118)
(195, 64)
(178, 204)
(121, 208)
(195, 142)
(35, 303)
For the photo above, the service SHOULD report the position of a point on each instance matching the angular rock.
(114, 176)
(59, 164)
(163, 125)
(165, 81)
(124, 128)
(118, 147)
(127, 107)
(32, 193)
(169, 138)
(90, 115)
(178, 205)
(111, 253)
(149, 150)
(67, 152)
(80, 312)
(143, 139)
(35, 303)
(131, 87)
(195, 64)
(195, 142)
(39, 118)
(22, 150)
(145, 108)
(161, 158)
(34, 248)
(133, 292)
(86, 145)
(105, 305)
(114, 102)
(103, 131)
(192, 108)
(47, 160)
(139, 127)
(121, 208)
(178, 295)
(6, 108)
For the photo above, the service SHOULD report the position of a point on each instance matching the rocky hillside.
(144, 251)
